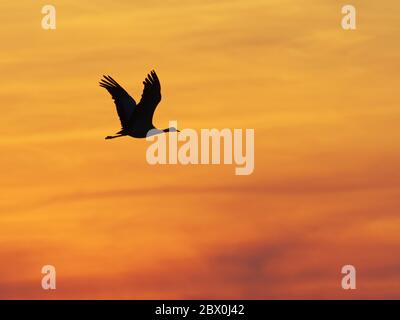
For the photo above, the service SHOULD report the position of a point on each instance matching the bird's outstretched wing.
(151, 96)
(123, 101)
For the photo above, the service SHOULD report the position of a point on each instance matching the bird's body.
(136, 119)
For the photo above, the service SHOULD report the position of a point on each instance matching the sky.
(324, 193)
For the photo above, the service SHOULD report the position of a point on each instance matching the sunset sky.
(325, 192)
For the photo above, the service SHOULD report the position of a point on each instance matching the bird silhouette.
(136, 119)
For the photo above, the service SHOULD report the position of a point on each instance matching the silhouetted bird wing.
(123, 101)
(150, 98)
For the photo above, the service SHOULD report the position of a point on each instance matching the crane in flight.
(136, 119)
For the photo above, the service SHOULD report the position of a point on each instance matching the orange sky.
(324, 104)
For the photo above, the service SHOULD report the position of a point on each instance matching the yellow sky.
(324, 104)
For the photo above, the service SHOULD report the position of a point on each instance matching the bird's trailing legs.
(112, 137)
